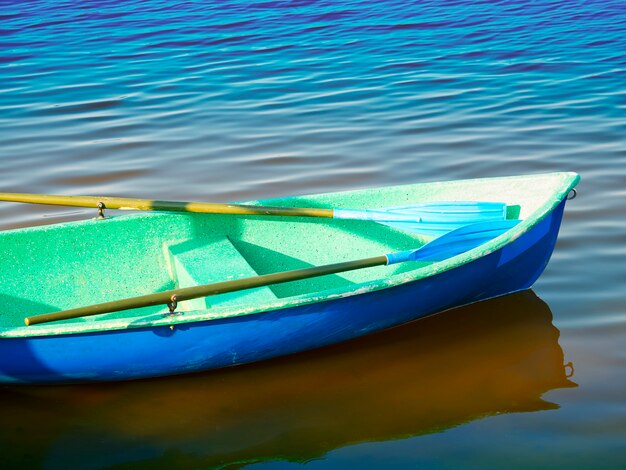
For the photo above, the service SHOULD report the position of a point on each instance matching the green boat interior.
(126, 256)
(56, 267)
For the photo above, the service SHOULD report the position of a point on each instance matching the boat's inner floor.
(67, 266)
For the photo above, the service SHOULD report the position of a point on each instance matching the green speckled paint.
(57, 267)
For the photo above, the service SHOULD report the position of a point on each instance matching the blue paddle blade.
(456, 242)
(433, 218)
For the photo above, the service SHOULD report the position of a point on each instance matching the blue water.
(223, 101)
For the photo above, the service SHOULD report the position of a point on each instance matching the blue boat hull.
(158, 351)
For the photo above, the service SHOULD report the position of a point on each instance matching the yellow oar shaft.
(122, 203)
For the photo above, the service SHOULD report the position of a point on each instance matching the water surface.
(244, 100)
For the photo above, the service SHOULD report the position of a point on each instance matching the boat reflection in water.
(494, 357)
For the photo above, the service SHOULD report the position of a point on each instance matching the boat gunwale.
(568, 180)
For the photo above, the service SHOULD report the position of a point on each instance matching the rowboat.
(161, 293)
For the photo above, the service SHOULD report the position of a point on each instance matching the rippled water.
(239, 100)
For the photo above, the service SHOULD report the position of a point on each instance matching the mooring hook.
(572, 194)
(569, 370)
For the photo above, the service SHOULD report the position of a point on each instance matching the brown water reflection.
(495, 357)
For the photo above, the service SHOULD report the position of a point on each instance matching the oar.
(446, 246)
(433, 218)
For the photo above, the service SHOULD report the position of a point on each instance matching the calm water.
(243, 100)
